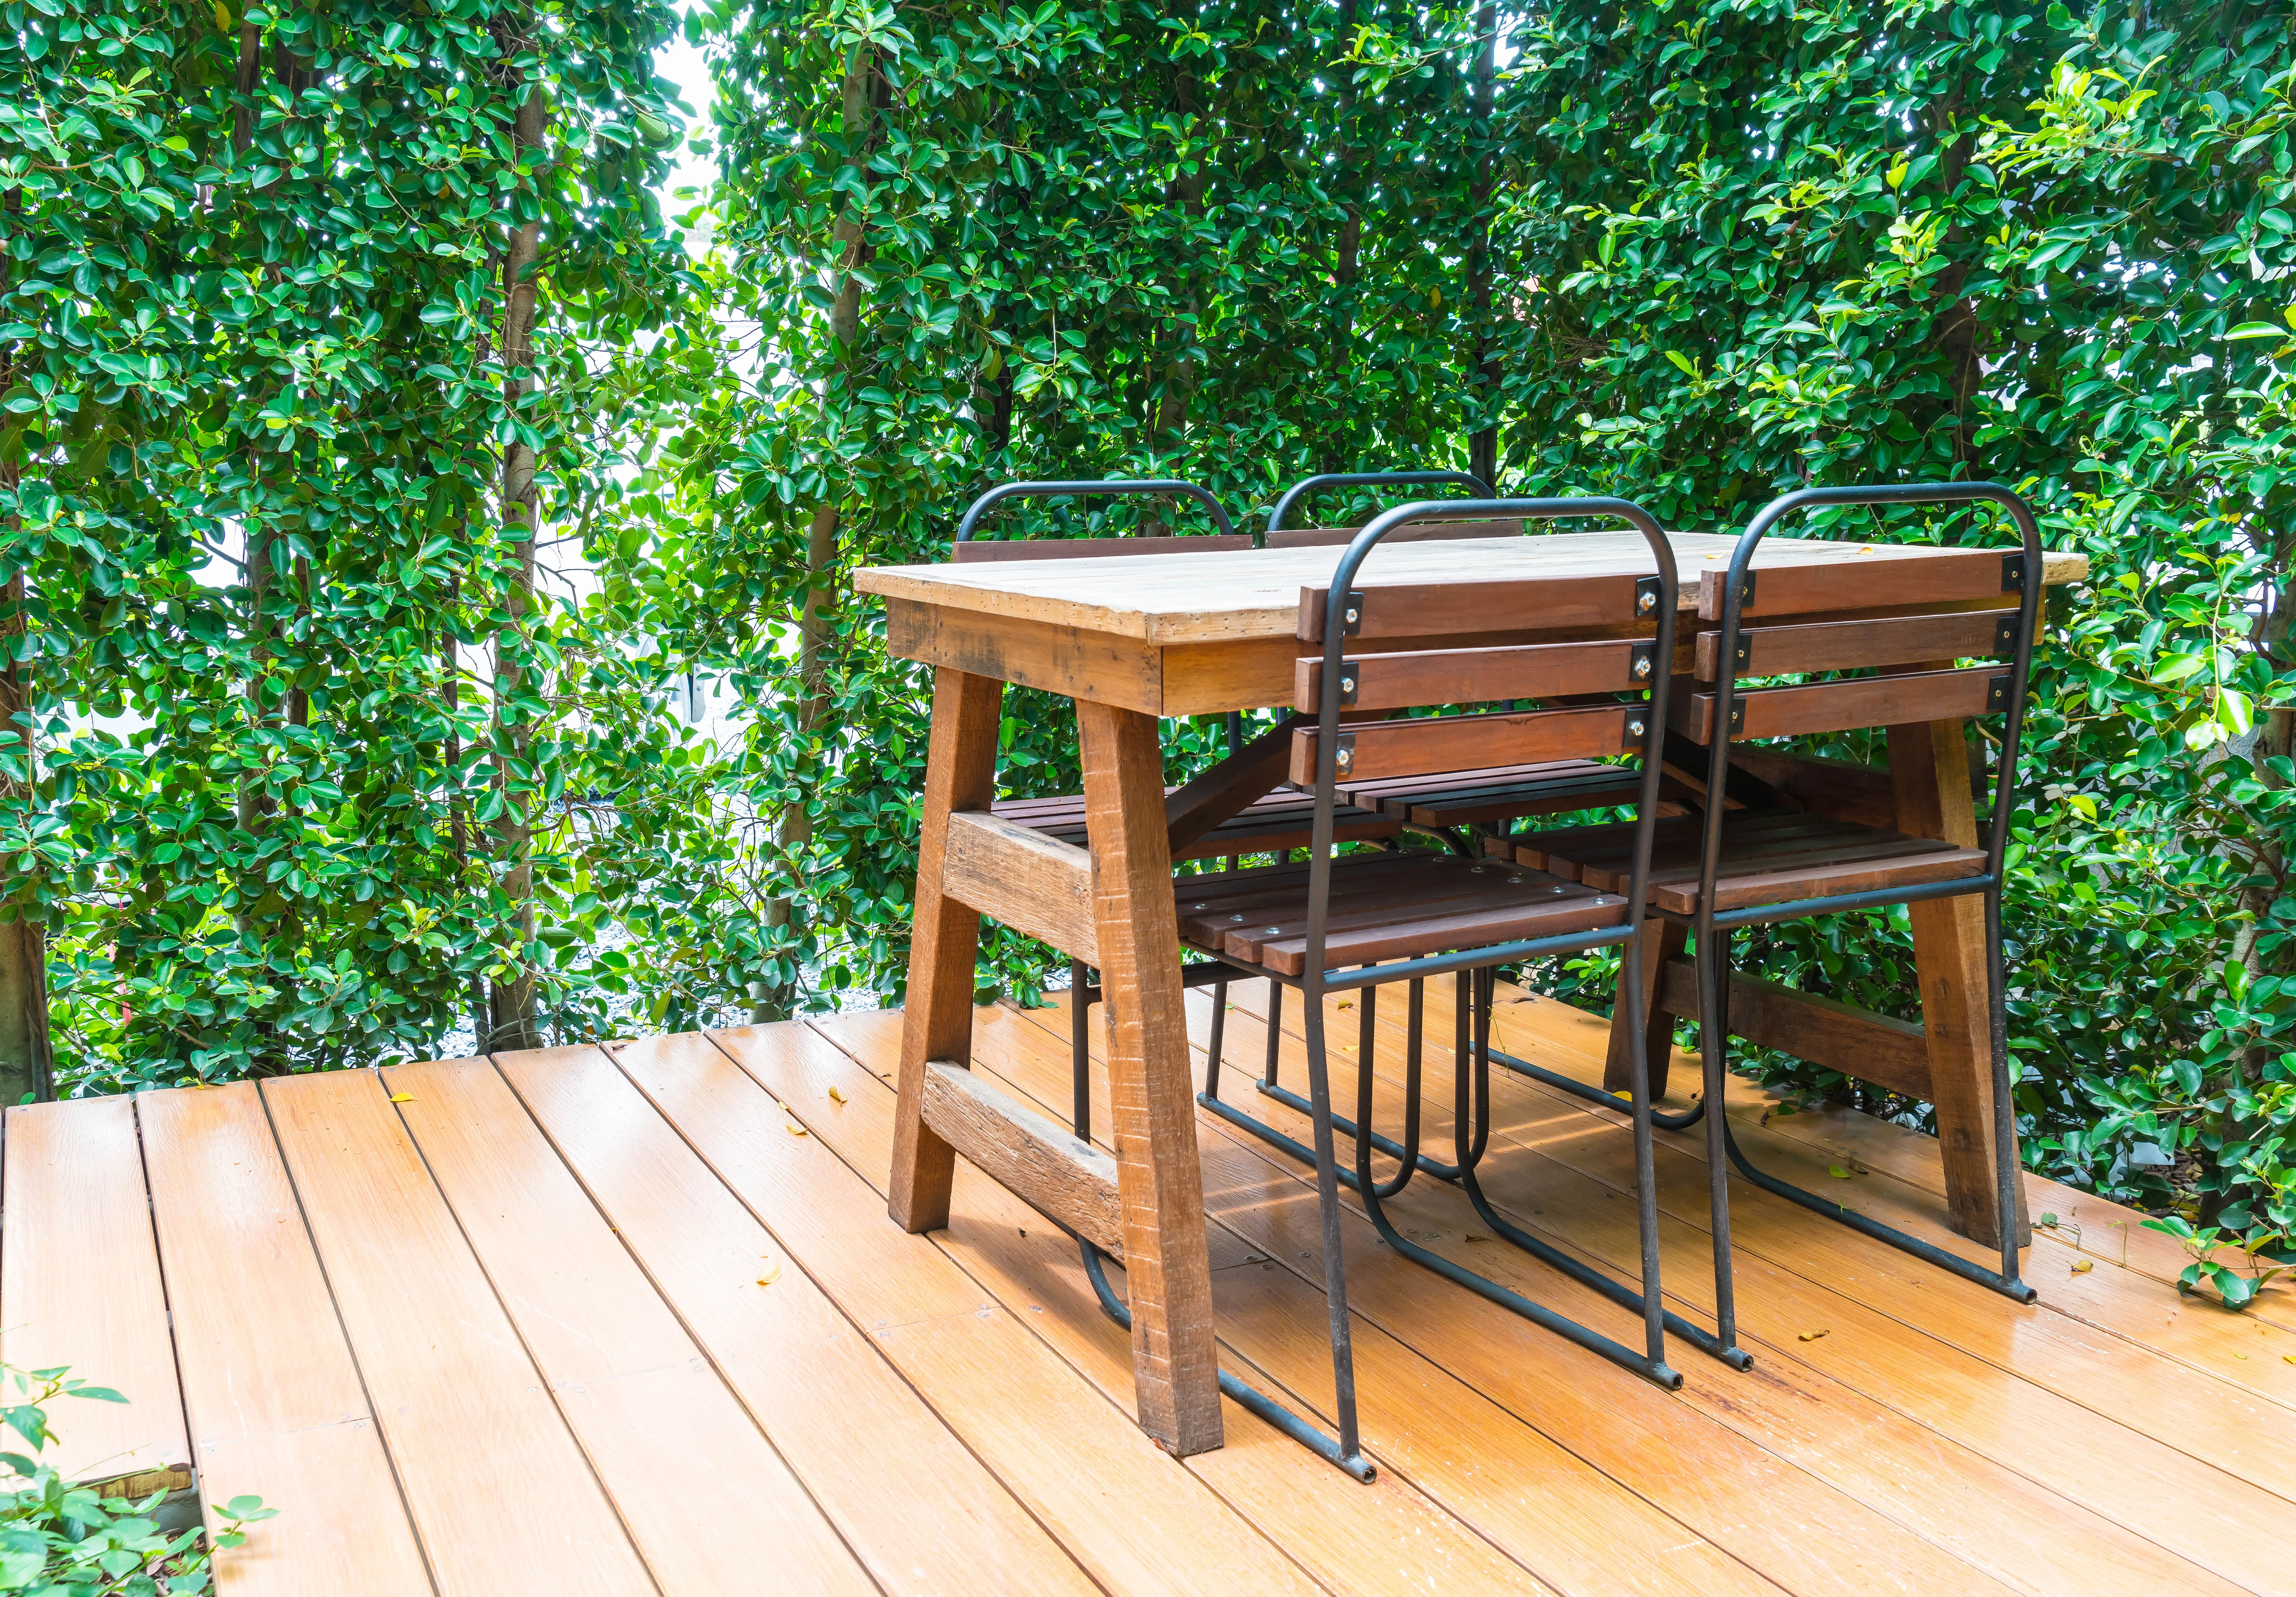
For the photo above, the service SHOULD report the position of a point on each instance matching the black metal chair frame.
(1355, 479)
(1348, 1457)
(1166, 486)
(1712, 929)
(1316, 982)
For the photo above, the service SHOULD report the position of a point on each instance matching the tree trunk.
(817, 618)
(1346, 264)
(513, 1022)
(1483, 446)
(1187, 192)
(26, 1065)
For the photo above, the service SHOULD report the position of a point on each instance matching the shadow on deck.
(631, 1319)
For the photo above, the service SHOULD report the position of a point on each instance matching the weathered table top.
(1236, 595)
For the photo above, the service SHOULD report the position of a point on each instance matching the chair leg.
(1645, 1159)
(1219, 1034)
(1349, 1128)
(1714, 1057)
(1327, 1198)
(2004, 1103)
(1275, 1031)
(2004, 1281)
(1251, 1398)
(1081, 1048)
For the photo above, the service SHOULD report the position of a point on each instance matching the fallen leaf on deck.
(1837, 1170)
(1474, 1238)
(1811, 1336)
(2082, 1267)
(2239, 1355)
(402, 1097)
(835, 1096)
(795, 1131)
(773, 1273)
(2048, 1219)
(1346, 1006)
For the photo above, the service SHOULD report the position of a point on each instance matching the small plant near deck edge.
(59, 1540)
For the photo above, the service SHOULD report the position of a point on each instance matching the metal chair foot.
(1250, 1398)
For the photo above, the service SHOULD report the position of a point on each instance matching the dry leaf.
(795, 1131)
(1811, 1336)
(835, 1096)
(2239, 1355)
(1474, 1238)
(1344, 1004)
(2288, 1359)
(402, 1097)
(2082, 1267)
(773, 1273)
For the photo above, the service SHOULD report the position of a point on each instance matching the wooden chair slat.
(1429, 609)
(1784, 885)
(1848, 645)
(1898, 577)
(1409, 748)
(1417, 532)
(1480, 676)
(1841, 706)
(991, 551)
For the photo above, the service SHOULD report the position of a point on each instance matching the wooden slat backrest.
(1372, 749)
(1433, 609)
(980, 552)
(1480, 676)
(1909, 580)
(1852, 644)
(1842, 705)
(1317, 537)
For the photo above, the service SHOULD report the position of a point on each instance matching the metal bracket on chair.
(2013, 572)
(1997, 692)
(1637, 725)
(1648, 591)
(1346, 753)
(1352, 616)
(1745, 656)
(1738, 715)
(2004, 633)
(1642, 661)
(1746, 593)
(1347, 682)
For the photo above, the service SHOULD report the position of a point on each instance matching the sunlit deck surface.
(630, 1318)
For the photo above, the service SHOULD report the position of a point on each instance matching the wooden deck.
(631, 1319)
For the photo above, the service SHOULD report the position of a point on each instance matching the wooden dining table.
(1134, 637)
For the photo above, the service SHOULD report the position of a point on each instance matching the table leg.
(937, 1016)
(1160, 1186)
(1662, 940)
(1929, 772)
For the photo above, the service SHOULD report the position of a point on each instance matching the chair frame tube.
(1109, 487)
(1712, 929)
(1350, 480)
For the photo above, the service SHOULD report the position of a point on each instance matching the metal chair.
(1402, 916)
(1728, 869)
(1280, 822)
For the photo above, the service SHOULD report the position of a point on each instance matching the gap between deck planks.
(544, 1195)
(2175, 1410)
(2244, 1523)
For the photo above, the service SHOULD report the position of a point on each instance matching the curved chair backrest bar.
(1349, 479)
(1734, 592)
(1335, 639)
(1170, 486)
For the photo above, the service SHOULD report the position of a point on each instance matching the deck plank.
(672, 1446)
(1569, 1165)
(2088, 1224)
(80, 1286)
(1497, 1470)
(497, 1487)
(920, 1510)
(1130, 1515)
(1795, 1527)
(1353, 1539)
(2099, 1339)
(275, 1406)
